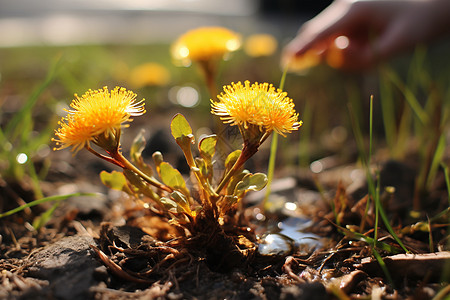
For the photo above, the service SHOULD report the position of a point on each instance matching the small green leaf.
(251, 182)
(205, 169)
(207, 147)
(137, 146)
(136, 149)
(171, 205)
(140, 185)
(172, 177)
(235, 180)
(232, 158)
(182, 132)
(181, 200)
(180, 127)
(157, 159)
(115, 180)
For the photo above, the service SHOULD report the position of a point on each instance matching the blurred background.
(63, 22)
(51, 49)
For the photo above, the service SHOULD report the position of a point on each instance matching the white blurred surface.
(64, 22)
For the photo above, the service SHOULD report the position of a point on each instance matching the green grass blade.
(43, 200)
(45, 216)
(447, 180)
(23, 118)
(271, 168)
(370, 181)
(409, 96)
(377, 204)
(34, 179)
(383, 266)
(361, 148)
(370, 241)
(389, 228)
(370, 130)
(376, 192)
(404, 132)
(273, 151)
(437, 158)
(388, 113)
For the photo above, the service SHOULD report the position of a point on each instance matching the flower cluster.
(257, 104)
(95, 114)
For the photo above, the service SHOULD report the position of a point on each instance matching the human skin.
(376, 30)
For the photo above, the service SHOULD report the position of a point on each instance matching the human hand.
(357, 34)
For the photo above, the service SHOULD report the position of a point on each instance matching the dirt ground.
(111, 248)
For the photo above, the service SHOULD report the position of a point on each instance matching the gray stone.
(68, 265)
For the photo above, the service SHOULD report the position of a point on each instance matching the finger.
(392, 40)
(356, 56)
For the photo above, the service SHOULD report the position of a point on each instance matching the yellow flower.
(96, 113)
(302, 63)
(205, 43)
(149, 74)
(258, 104)
(258, 45)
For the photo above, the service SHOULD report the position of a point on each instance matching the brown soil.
(105, 249)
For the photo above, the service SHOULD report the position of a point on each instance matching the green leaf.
(138, 146)
(182, 132)
(140, 185)
(251, 182)
(235, 180)
(181, 200)
(207, 147)
(232, 158)
(136, 149)
(172, 177)
(115, 180)
(180, 127)
(171, 205)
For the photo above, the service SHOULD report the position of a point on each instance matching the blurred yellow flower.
(96, 113)
(302, 63)
(149, 74)
(260, 45)
(258, 104)
(205, 43)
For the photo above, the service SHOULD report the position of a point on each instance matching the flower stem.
(247, 152)
(119, 160)
(192, 165)
(271, 168)
(128, 165)
(104, 157)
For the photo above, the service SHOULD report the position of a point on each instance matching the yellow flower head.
(205, 43)
(95, 113)
(258, 104)
(258, 45)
